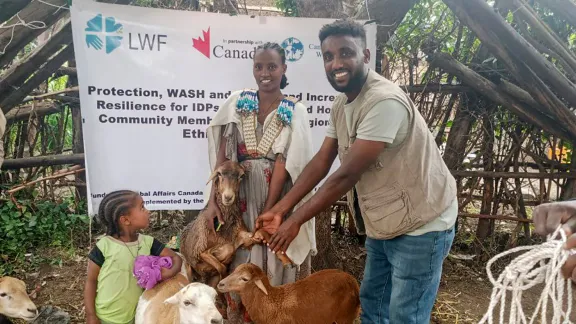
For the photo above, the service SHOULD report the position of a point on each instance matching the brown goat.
(209, 254)
(327, 296)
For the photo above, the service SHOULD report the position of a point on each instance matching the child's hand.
(165, 273)
(92, 320)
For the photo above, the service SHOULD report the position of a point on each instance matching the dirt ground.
(463, 297)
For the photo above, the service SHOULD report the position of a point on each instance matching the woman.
(269, 134)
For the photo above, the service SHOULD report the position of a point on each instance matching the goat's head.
(226, 178)
(242, 276)
(197, 304)
(14, 302)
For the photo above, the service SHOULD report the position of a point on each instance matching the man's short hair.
(343, 27)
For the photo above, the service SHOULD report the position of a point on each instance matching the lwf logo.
(98, 28)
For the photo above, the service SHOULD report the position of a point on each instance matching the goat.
(327, 296)
(209, 254)
(177, 301)
(14, 301)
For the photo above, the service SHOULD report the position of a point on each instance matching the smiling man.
(399, 190)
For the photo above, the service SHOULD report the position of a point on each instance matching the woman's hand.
(269, 221)
(212, 211)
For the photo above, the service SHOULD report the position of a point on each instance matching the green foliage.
(289, 7)
(32, 224)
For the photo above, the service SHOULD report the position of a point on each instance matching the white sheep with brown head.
(14, 301)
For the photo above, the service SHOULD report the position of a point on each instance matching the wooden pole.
(514, 175)
(48, 160)
(496, 217)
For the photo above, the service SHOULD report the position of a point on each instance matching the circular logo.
(294, 49)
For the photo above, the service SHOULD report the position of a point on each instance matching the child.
(111, 293)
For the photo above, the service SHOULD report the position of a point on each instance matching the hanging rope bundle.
(540, 264)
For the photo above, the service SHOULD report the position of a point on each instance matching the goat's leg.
(213, 261)
(263, 235)
(224, 253)
(245, 240)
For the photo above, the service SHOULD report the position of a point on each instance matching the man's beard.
(355, 82)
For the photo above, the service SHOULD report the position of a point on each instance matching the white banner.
(151, 80)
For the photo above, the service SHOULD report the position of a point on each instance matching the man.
(548, 217)
(394, 178)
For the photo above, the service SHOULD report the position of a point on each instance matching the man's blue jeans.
(402, 276)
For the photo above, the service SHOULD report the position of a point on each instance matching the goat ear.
(212, 176)
(174, 300)
(260, 285)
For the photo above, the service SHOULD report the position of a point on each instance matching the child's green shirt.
(118, 292)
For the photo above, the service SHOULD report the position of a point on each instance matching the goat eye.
(188, 303)
(244, 279)
(3, 294)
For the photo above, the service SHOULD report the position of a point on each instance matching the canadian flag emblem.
(203, 45)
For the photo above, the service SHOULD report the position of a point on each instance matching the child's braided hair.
(114, 205)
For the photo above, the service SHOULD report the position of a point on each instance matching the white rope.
(540, 264)
(32, 25)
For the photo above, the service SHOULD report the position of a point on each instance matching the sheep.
(327, 296)
(209, 253)
(14, 301)
(177, 301)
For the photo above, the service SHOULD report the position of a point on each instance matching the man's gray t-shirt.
(388, 122)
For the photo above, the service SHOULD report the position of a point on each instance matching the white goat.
(14, 302)
(176, 301)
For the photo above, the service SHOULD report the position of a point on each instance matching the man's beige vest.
(409, 185)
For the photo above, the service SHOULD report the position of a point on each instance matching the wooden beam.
(527, 65)
(14, 39)
(41, 75)
(79, 158)
(562, 8)
(21, 70)
(487, 88)
(513, 175)
(71, 71)
(51, 95)
(37, 161)
(497, 217)
(443, 88)
(543, 32)
(517, 92)
(388, 15)
(8, 8)
(22, 113)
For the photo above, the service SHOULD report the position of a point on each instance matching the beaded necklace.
(247, 106)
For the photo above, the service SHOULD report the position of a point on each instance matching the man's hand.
(547, 218)
(269, 221)
(286, 233)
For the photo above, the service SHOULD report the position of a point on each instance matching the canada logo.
(203, 45)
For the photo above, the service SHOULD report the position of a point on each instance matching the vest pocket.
(388, 211)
